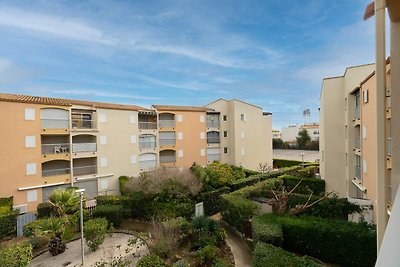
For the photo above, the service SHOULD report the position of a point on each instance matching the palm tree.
(64, 201)
(53, 228)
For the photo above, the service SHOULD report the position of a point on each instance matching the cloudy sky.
(269, 53)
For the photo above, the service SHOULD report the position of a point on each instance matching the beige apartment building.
(52, 143)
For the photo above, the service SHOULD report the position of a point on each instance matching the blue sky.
(271, 53)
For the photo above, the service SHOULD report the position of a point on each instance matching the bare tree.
(264, 167)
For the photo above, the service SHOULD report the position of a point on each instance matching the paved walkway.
(292, 154)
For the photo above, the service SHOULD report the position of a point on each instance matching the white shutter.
(103, 162)
(133, 139)
(132, 119)
(103, 140)
(180, 153)
(102, 117)
(133, 159)
(31, 196)
(29, 114)
(180, 118)
(202, 135)
(364, 132)
(30, 141)
(201, 118)
(30, 168)
(180, 136)
(202, 152)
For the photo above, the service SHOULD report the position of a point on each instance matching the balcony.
(167, 156)
(147, 120)
(213, 137)
(83, 124)
(56, 172)
(166, 120)
(55, 168)
(147, 142)
(213, 157)
(146, 125)
(50, 123)
(358, 172)
(54, 118)
(213, 124)
(85, 170)
(84, 147)
(146, 165)
(60, 148)
(167, 142)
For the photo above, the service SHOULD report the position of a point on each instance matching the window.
(225, 133)
(242, 134)
(243, 117)
(103, 162)
(32, 196)
(365, 96)
(29, 114)
(180, 136)
(103, 140)
(180, 118)
(316, 132)
(102, 117)
(225, 150)
(201, 118)
(202, 135)
(225, 118)
(180, 153)
(30, 168)
(133, 139)
(30, 141)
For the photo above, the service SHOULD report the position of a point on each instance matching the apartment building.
(53, 143)
(246, 133)
(276, 134)
(291, 132)
(312, 130)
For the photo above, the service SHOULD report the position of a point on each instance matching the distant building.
(290, 133)
(276, 134)
(312, 130)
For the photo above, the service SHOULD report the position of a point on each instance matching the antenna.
(307, 115)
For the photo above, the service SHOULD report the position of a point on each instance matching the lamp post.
(80, 192)
(302, 159)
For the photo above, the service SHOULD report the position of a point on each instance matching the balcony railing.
(55, 148)
(167, 123)
(83, 124)
(357, 113)
(92, 169)
(358, 172)
(54, 123)
(390, 193)
(389, 146)
(213, 124)
(143, 144)
(213, 157)
(357, 142)
(148, 164)
(167, 142)
(144, 125)
(84, 147)
(55, 172)
(213, 140)
(167, 159)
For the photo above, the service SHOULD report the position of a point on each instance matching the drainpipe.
(380, 126)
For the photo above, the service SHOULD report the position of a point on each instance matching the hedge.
(282, 163)
(16, 256)
(45, 210)
(338, 242)
(151, 261)
(122, 182)
(266, 255)
(6, 202)
(270, 233)
(212, 200)
(113, 214)
(124, 201)
(248, 172)
(317, 186)
(258, 189)
(8, 223)
(172, 209)
(309, 171)
(236, 209)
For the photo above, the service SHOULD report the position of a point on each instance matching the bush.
(181, 263)
(258, 189)
(45, 210)
(172, 209)
(212, 200)
(124, 201)
(179, 225)
(151, 261)
(317, 186)
(217, 175)
(234, 210)
(95, 232)
(16, 256)
(8, 223)
(266, 255)
(6, 202)
(123, 180)
(283, 163)
(309, 171)
(270, 233)
(29, 228)
(338, 242)
(113, 214)
(208, 255)
(248, 172)
(140, 205)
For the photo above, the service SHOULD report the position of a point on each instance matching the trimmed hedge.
(266, 255)
(317, 186)
(45, 210)
(122, 182)
(8, 223)
(6, 202)
(212, 200)
(283, 163)
(124, 201)
(113, 214)
(248, 172)
(338, 242)
(172, 209)
(258, 189)
(16, 256)
(236, 209)
(270, 233)
(309, 171)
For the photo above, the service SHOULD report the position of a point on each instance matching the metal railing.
(214, 157)
(390, 193)
(84, 147)
(389, 146)
(55, 148)
(83, 170)
(166, 123)
(357, 112)
(148, 164)
(358, 142)
(358, 172)
(54, 172)
(213, 140)
(147, 125)
(83, 124)
(213, 124)
(143, 144)
(167, 159)
(54, 123)
(167, 142)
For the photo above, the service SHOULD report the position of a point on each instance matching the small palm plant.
(64, 201)
(53, 228)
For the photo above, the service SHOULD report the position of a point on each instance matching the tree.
(64, 201)
(264, 167)
(53, 228)
(277, 143)
(303, 139)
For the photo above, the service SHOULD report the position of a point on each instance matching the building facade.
(276, 134)
(56, 143)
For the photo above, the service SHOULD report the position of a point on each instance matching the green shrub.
(179, 225)
(16, 256)
(236, 209)
(212, 200)
(95, 232)
(338, 242)
(4, 209)
(266, 255)
(124, 201)
(8, 223)
(317, 186)
(29, 228)
(309, 171)
(122, 182)
(216, 175)
(45, 210)
(140, 205)
(6, 202)
(208, 255)
(113, 214)
(151, 261)
(248, 172)
(270, 233)
(283, 163)
(181, 263)
(258, 189)
(172, 209)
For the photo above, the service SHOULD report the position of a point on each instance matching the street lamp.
(302, 158)
(80, 192)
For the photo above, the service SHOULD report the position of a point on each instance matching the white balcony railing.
(147, 164)
(83, 170)
(54, 123)
(357, 113)
(84, 147)
(55, 172)
(213, 124)
(167, 123)
(389, 146)
(143, 144)
(83, 124)
(357, 142)
(358, 172)
(167, 142)
(167, 159)
(213, 140)
(147, 125)
(213, 157)
(55, 148)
